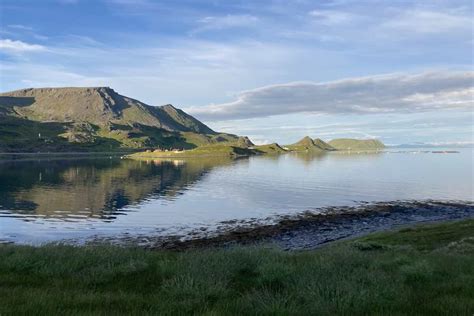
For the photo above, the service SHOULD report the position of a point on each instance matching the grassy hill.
(310, 145)
(215, 150)
(95, 119)
(270, 149)
(356, 144)
(242, 147)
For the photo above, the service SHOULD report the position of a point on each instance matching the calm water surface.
(52, 199)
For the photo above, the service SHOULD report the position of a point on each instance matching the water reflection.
(49, 200)
(97, 188)
(309, 158)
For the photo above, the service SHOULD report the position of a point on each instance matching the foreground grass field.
(425, 270)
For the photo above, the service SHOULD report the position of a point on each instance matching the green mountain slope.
(230, 149)
(273, 148)
(356, 144)
(50, 119)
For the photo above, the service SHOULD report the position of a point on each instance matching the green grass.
(270, 149)
(224, 149)
(306, 144)
(21, 135)
(356, 144)
(216, 150)
(299, 148)
(427, 237)
(426, 270)
(207, 139)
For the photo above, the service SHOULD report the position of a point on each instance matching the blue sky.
(401, 71)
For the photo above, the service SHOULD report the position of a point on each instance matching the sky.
(274, 70)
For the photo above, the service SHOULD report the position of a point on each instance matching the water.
(51, 199)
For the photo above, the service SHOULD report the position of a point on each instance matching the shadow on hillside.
(16, 101)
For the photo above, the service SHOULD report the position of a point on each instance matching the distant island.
(244, 147)
(98, 119)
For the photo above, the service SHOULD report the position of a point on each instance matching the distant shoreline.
(181, 155)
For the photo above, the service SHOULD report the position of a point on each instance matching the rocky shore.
(313, 228)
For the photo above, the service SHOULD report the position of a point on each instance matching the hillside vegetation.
(242, 147)
(217, 150)
(356, 144)
(423, 270)
(273, 148)
(307, 144)
(96, 119)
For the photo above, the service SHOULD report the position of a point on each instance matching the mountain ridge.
(99, 105)
(309, 144)
(95, 118)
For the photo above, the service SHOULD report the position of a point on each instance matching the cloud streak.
(394, 93)
(15, 47)
(330, 17)
(429, 22)
(225, 22)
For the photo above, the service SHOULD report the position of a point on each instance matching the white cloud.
(392, 93)
(15, 47)
(394, 128)
(18, 47)
(331, 17)
(424, 21)
(225, 22)
(20, 27)
(190, 72)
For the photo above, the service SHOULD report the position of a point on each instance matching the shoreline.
(309, 230)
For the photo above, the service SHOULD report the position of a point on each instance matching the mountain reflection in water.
(96, 188)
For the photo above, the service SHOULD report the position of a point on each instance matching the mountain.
(356, 144)
(318, 145)
(96, 119)
(308, 144)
